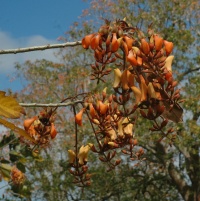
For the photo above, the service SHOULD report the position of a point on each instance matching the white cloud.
(7, 61)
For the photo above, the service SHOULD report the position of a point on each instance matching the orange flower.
(72, 156)
(17, 176)
(129, 42)
(29, 122)
(78, 117)
(53, 132)
(132, 58)
(87, 40)
(95, 41)
(83, 154)
(158, 42)
(145, 46)
(168, 47)
(114, 43)
(103, 107)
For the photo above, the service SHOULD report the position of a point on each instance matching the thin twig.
(50, 104)
(43, 47)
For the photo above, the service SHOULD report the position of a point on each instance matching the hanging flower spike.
(78, 117)
(87, 40)
(83, 154)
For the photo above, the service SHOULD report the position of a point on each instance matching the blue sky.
(29, 23)
(32, 22)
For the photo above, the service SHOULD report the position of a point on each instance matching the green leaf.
(21, 167)
(5, 170)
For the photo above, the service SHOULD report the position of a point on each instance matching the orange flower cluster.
(143, 81)
(17, 176)
(113, 128)
(41, 128)
(144, 69)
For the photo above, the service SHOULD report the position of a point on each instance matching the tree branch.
(179, 181)
(50, 104)
(188, 72)
(36, 48)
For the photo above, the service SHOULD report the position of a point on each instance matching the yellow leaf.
(9, 107)
(16, 129)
